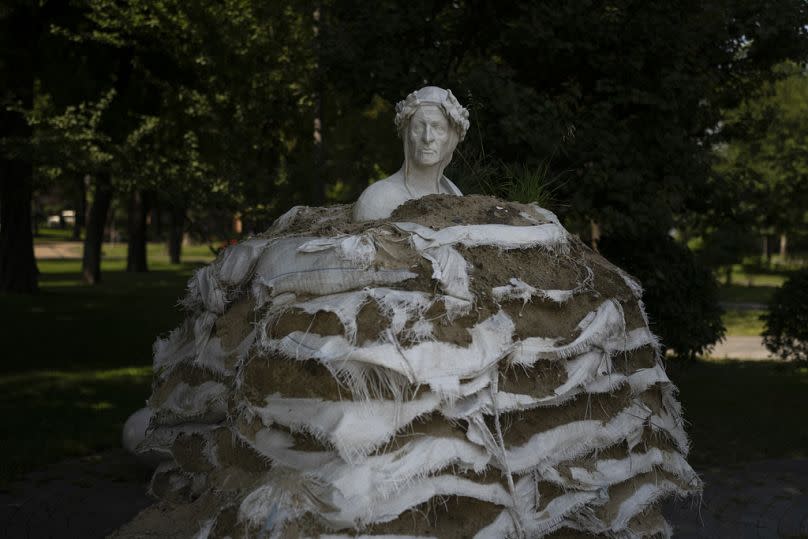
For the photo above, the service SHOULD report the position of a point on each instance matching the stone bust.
(430, 122)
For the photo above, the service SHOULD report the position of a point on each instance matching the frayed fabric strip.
(549, 235)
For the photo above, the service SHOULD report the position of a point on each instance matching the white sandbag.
(235, 264)
(549, 235)
(524, 519)
(204, 287)
(517, 289)
(345, 306)
(416, 493)
(285, 268)
(354, 429)
(595, 328)
(450, 269)
(571, 440)
(439, 365)
(609, 472)
(180, 344)
(401, 307)
(379, 477)
(186, 402)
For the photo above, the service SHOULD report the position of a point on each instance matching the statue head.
(431, 122)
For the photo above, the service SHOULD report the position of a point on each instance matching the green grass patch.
(746, 294)
(739, 411)
(77, 359)
(743, 322)
(53, 234)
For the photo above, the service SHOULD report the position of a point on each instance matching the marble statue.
(430, 122)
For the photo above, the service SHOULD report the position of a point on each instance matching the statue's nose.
(429, 134)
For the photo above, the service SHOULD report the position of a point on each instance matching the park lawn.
(738, 293)
(753, 286)
(77, 359)
(740, 411)
(741, 322)
(45, 235)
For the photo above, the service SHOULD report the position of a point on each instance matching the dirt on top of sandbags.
(434, 211)
(441, 211)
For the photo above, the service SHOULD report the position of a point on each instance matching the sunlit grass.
(751, 286)
(743, 322)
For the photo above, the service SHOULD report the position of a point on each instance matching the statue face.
(429, 136)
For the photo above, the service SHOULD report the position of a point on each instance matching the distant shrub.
(681, 295)
(786, 332)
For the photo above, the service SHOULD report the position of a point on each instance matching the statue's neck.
(422, 181)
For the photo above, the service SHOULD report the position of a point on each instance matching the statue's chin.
(427, 159)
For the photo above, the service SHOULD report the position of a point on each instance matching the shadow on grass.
(746, 294)
(76, 359)
(69, 325)
(740, 411)
(52, 415)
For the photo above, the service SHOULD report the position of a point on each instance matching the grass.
(743, 322)
(76, 359)
(746, 294)
(740, 411)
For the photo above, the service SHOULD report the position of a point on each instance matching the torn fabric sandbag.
(341, 379)
(285, 268)
(547, 235)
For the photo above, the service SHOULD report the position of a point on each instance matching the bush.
(786, 332)
(681, 295)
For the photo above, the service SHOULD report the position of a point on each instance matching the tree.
(765, 152)
(18, 39)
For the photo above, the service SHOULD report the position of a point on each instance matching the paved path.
(58, 249)
(737, 347)
(766, 499)
(85, 498)
(90, 498)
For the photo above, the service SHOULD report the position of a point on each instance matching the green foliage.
(725, 245)
(764, 155)
(476, 173)
(681, 296)
(786, 332)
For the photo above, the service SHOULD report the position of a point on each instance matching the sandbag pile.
(466, 368)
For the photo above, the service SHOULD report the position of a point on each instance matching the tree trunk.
(728, 275)
(783, 247)
(18, 271)
(765, 245)
(81, 208)
(18, 28)
(136, 224)
(177, 227)
(94, 232)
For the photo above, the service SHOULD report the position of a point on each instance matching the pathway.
(741, 347)
(58, 250)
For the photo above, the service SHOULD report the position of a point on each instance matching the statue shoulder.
(449, 187)
(379, 200)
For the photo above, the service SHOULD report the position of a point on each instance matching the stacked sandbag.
(466, 368)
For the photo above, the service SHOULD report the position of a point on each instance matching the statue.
(430, 122)
(451, 366)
